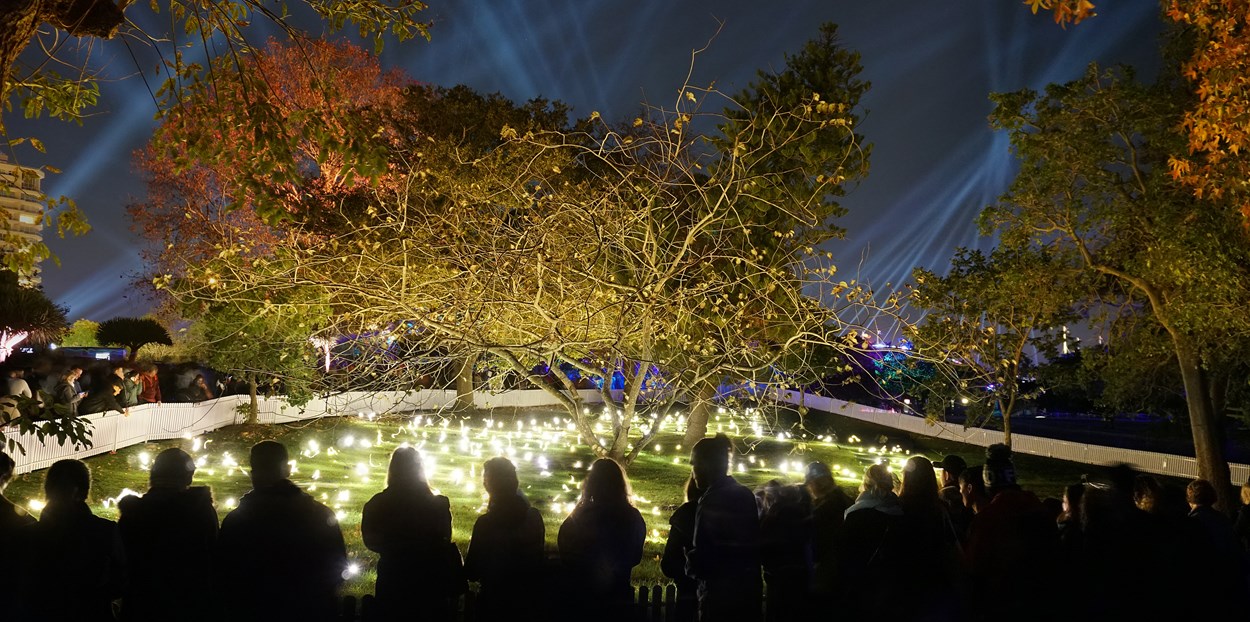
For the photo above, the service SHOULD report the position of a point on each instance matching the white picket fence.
(149, 422)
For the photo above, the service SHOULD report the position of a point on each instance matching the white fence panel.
(149, 422)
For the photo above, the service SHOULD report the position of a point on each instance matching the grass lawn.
(342, 461)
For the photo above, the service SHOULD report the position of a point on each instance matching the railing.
(652, 603)
(112, 431)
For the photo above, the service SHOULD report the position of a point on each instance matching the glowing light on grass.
(231, 503)
(36, 505)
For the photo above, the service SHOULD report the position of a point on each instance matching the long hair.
(406, 472)
(605, 484)
(920, 488)
(500, 481)
(878, 480)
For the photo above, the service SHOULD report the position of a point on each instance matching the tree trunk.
(700, 413)
(464, 382)
(1204, 425)
(254, 405)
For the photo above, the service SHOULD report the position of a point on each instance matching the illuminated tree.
(1094, 184)
(654, 253)
(81, 334)
(40, 74)
(982, 317)
(26, 313)
(132, 333)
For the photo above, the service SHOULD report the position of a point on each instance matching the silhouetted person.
(951, 467)
(785, 550)
(409, 527)
(1225, 560)
(829, 503)
(12, 517)
(673, 561)
(600, 543)
(280, 553)
(70, 566)
(1071, 536)
(170, 536)
(868, 558)
(972, 489)
(1241, 525)
(505, 554)
(931, 542)
(725, 558)
(1013, 543)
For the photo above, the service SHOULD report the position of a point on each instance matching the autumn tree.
(1212, 161)
(1095, 184)
(652, 251)
(40, 74)
(132, 333)
(984, 318)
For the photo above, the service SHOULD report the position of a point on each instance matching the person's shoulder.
(128, 506)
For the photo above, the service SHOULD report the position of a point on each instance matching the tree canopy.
(133, 333)
(674, 250)
(1095, 185)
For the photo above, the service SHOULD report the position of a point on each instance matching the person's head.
(1072, 494)
(709, 460)
(919, 481)
(67, 481)
(999, 472)
(818, 479)
(972, 485)
(71, 373)
(605, 484)
(119, 371)
(877, 479)
(951, 466)
(173, 468)
(270, 463)
(1147, 493)
(115, 386)
(1245, 493)
(406, 472)
(499, 477)
(7, 467)
(1200, 493)
(132, 375)
(199, 380)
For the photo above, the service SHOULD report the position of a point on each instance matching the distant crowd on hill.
(955, 542)
(84, 386)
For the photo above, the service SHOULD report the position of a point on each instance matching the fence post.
(640, 606)
(670, 602)
(657, 601)
(347, 612)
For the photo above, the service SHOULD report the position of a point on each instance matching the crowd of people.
(968, 544)
(82, 388)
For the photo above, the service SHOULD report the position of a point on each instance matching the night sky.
(935, 163)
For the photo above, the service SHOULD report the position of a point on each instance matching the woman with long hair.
(601, 542)
(506, 555)
(409, 527)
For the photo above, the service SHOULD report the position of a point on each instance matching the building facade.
(22, 207)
